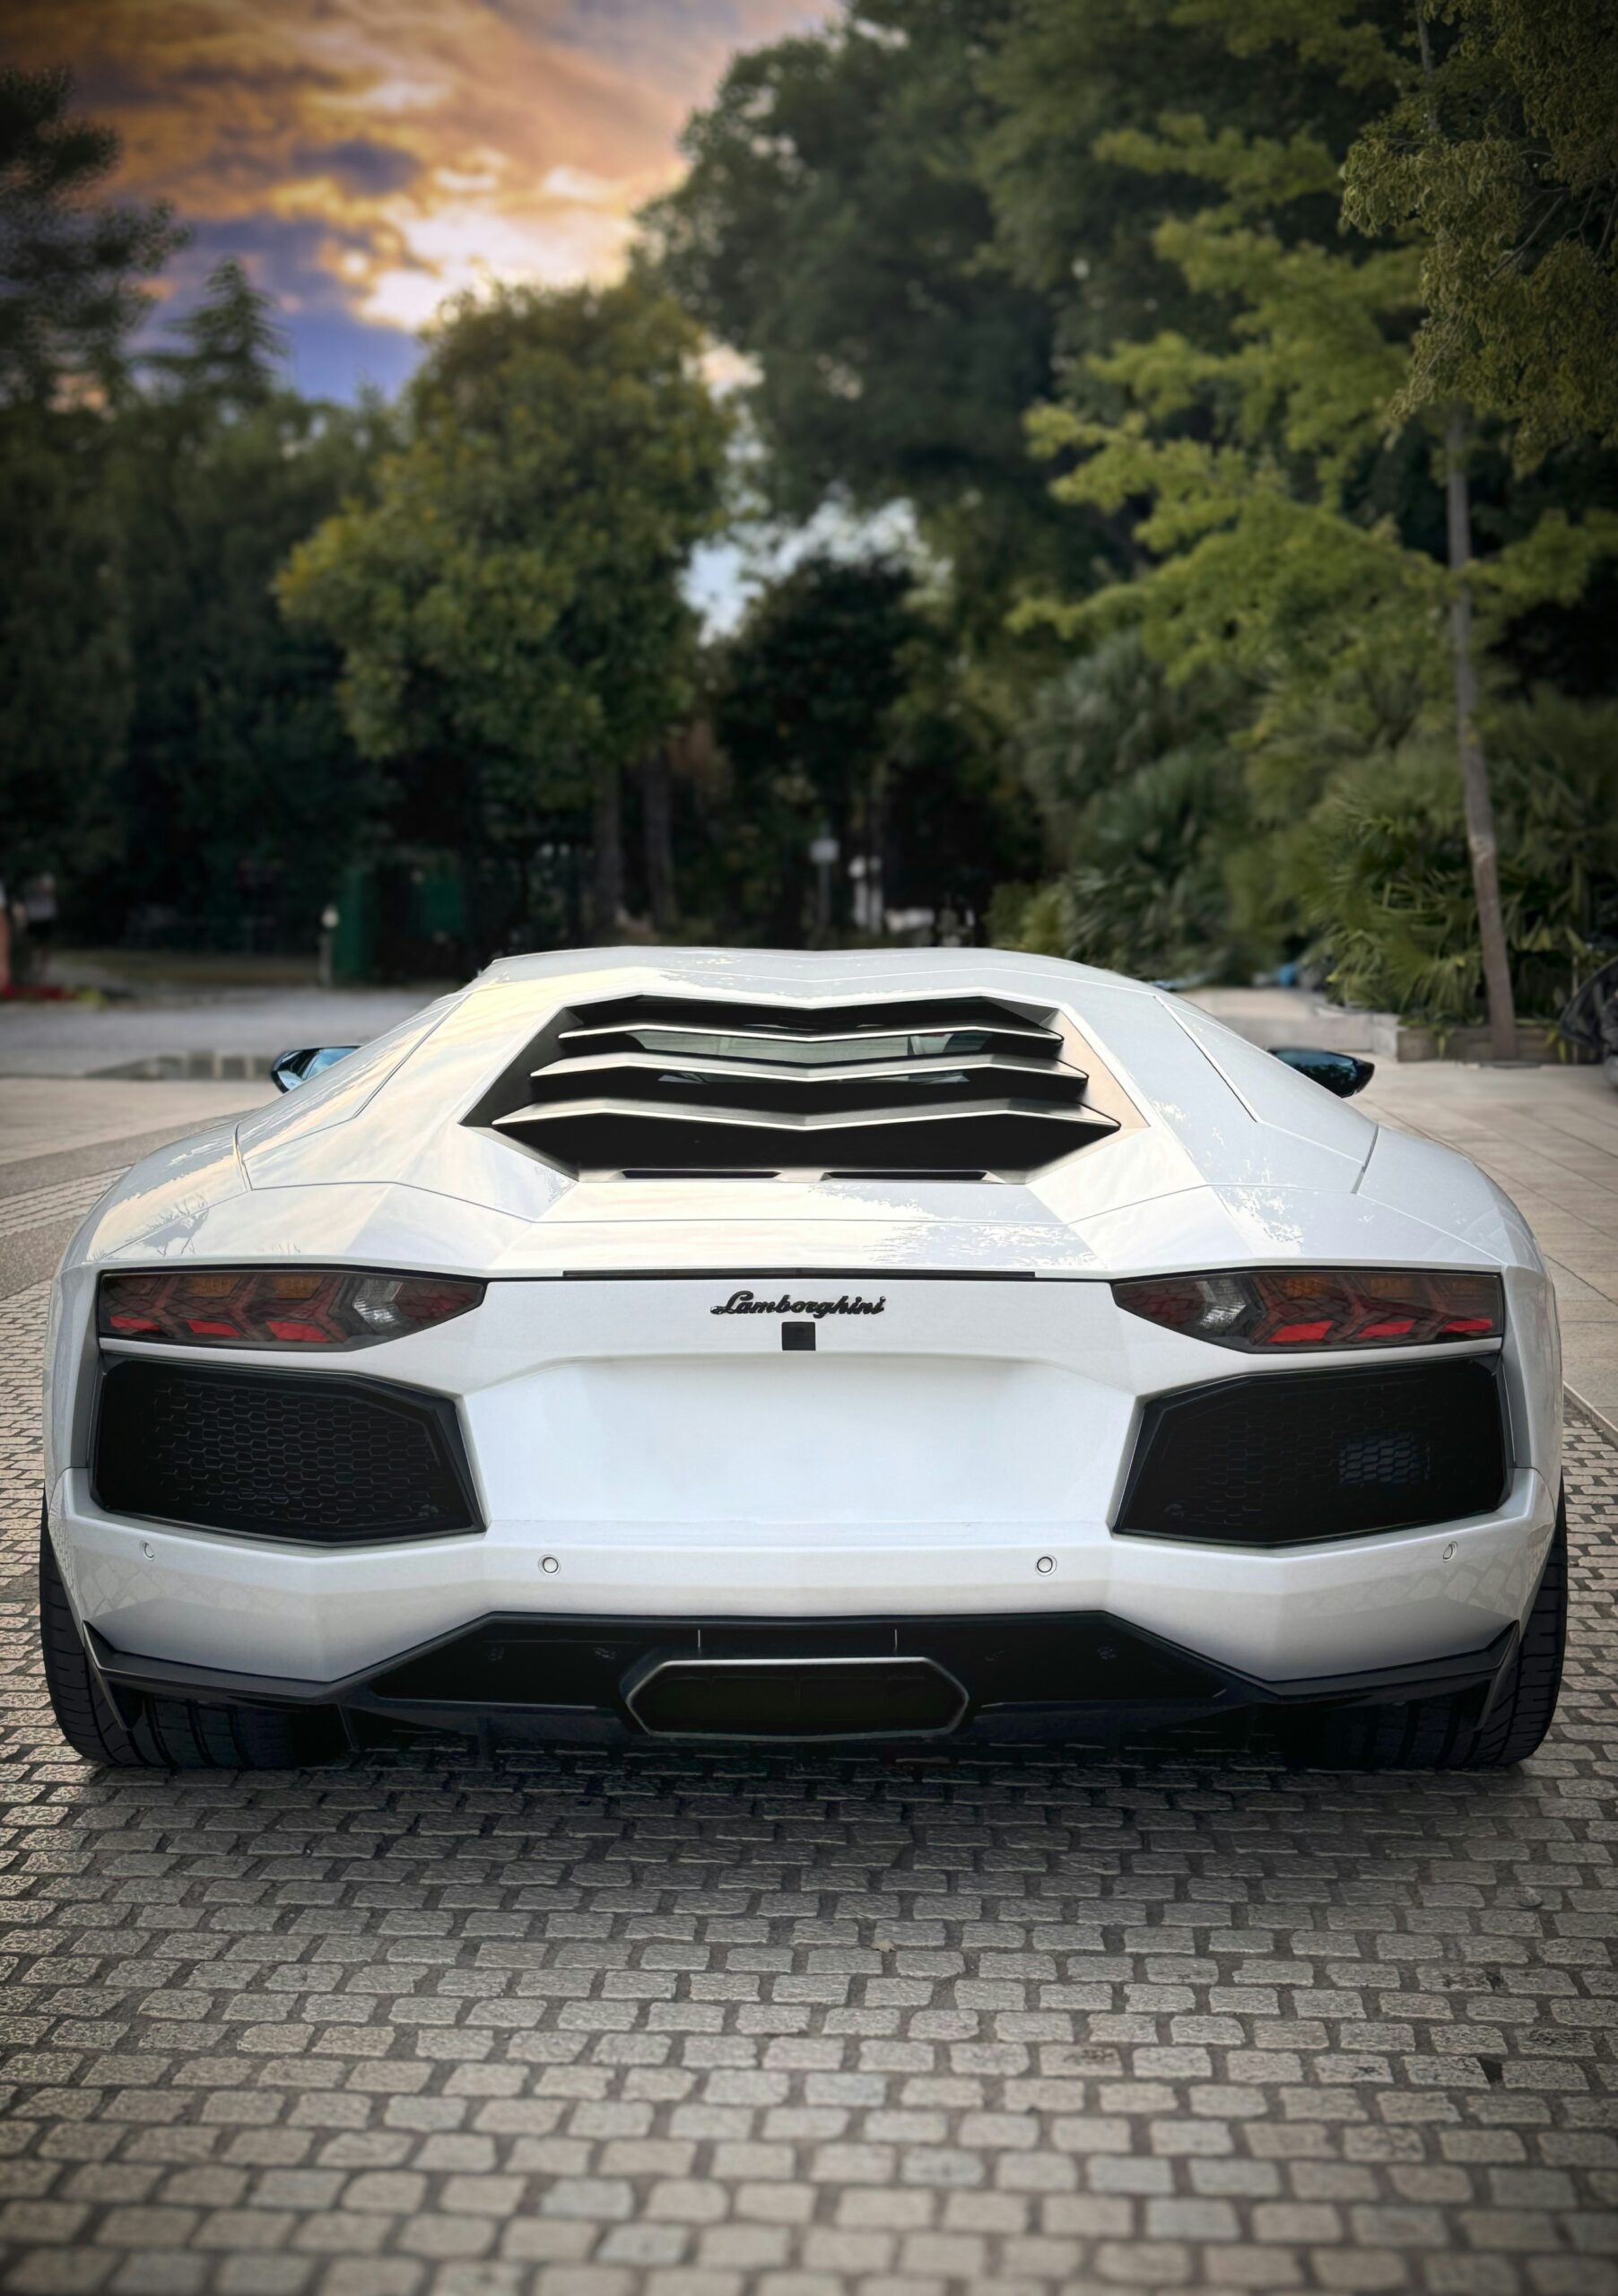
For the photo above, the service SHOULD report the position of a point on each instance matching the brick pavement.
(662, 2024)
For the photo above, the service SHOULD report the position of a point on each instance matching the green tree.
(65, 669)
(240, 794)
(227, 349)
(71, 264)
(507, 602)
(71, 268)
(958, 822)
(1256, 459)
(832, 228)
(1108, 715)
(1145, 815)
(841, 706)
(804, 715)
(1384, 874)
(1146, 892)
(1500, 153)
(1060, 83)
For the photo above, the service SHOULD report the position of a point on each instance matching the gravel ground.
(660, 2024)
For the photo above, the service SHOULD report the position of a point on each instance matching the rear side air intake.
(1289, 1458)
(957, 1087)
(327, 1462)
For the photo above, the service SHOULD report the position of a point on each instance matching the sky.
(366, 158)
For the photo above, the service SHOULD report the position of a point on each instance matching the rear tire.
(1441, 1733)
(168, 1733)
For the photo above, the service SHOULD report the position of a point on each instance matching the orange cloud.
(402, 148)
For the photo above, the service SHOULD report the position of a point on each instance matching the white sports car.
(1149, 1382)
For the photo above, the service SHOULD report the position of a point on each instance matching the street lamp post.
(823, 851)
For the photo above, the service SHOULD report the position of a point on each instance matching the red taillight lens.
(1301, 1308)
(264, 1307)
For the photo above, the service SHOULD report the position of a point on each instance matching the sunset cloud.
(368, 157)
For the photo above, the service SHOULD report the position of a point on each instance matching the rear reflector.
(1265, 1309)
(276, 1308)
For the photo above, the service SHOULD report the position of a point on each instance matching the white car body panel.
(965, 1452)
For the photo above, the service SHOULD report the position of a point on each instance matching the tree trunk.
(657, 800)
(608, 841)
(1474, 765)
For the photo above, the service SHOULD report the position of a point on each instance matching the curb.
(1598, 1419)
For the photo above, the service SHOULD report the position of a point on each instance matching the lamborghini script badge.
(743, 1303)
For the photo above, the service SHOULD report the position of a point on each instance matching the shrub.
(1384, 876)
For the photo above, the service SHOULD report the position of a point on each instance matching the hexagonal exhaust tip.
(753, 1698)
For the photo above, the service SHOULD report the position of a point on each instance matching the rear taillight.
(263, 1307)
(1301, 1308)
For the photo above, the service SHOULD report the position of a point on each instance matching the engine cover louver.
(957, 1087)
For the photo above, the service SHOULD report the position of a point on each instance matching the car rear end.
(875, 1450)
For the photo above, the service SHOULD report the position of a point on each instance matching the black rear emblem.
(745, 1303)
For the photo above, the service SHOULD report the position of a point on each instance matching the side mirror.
(1342, 1072)
(289, 1068)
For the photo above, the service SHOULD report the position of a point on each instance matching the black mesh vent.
(1304, 1456)
(954, 1087)
(333, 1461)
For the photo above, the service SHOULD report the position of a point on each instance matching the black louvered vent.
(956, 1087)
(279, 1454)
(1295, 1457)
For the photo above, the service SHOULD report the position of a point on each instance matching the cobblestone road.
(660, 2025)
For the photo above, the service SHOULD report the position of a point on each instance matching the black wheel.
(1441, 1732)
(168, 1733)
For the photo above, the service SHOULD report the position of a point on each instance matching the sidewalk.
(1550, 1137)
(44, 1118)
(1274, 1016)
(243, 1026)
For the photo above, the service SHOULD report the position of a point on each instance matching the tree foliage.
(71, 268)
(65, 669)
(71, 264)
(1146, 892)
(1382, 869)
(1502, 160)
(1256, 464)
(1068, 85)
(238, 771)
(832, 228)
(1142, 799)
(507, 600)
(805, 714)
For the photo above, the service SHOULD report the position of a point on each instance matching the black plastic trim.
(649, 1644)
(1160, 1411)
(439, 1411)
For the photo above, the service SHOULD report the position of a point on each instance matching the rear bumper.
(258, 1607)
(999, 1679)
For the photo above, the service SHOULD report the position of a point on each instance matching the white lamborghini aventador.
(713, 1344)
